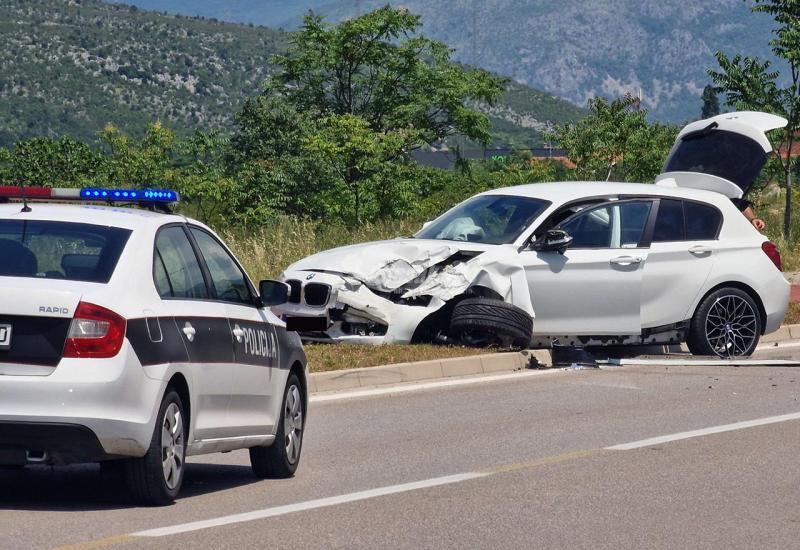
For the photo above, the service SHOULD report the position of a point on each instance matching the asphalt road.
(521, 462)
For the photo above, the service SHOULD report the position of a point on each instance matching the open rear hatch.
(724, 153)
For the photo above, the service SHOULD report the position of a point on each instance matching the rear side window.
(229, 281)
(176, 271)
(669, 222)
(702, 221)
(60, 250)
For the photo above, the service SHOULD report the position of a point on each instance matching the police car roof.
(94, 214)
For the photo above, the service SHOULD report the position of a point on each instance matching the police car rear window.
(60, 250)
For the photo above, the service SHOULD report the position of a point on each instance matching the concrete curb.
(426, 370)
(491, 363)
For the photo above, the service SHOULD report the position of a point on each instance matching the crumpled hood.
(385, 265)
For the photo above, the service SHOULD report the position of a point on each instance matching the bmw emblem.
(310, 276)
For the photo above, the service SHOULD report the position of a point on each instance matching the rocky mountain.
(574, 49)
(72, 66)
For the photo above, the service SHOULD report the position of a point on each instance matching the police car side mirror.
(554, 240)
(273, 293)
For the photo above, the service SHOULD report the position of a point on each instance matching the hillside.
(72, 66)
(574, 49)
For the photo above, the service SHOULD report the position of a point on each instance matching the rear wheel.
(156, 478)
(484, 322)
(727, 323)
(280, 459)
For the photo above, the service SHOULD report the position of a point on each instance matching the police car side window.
(177, 272)
(229, 281)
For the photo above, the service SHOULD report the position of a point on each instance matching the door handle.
(699, 250)
(189, 331)
(238, 333)
(626, 260)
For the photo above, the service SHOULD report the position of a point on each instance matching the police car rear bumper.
(111, 398)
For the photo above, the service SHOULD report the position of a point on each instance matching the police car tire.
(145, 476)
(273, 462)
(497, 321)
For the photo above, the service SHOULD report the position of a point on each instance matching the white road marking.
(439, 481)
(337, 396)
(308, 505)
(705, 431)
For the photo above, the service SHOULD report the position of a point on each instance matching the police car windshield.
(60, 250)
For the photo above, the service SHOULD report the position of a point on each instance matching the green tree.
(615, 142)
(710, 102)
(752, 84)
(138, 163)
(49, 162)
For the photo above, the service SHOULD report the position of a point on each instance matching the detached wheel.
(156, 478)
(280, 460)
(484, 322)
(727, 324)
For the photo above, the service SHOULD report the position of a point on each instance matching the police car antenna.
(25, 207)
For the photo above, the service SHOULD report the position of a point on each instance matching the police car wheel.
(156, 478)
(280, 459)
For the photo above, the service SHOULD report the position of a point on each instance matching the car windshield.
(491, 219)
(727, 155)
(60, 250)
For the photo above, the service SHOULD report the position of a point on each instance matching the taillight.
(771, 250)
(94, 332)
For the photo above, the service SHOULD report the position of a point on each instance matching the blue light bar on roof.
(133, 195)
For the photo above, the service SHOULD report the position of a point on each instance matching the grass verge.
(331, 357)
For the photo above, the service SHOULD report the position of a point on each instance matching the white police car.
(134, 335)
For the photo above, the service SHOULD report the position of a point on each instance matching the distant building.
(446, 159)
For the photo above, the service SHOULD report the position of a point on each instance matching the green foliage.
(615, 142)
(750, 84)
(48, 162)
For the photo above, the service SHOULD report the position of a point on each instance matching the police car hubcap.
(293, 423)
(731, 326)
(172, 445)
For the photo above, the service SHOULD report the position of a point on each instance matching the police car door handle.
(189, 331)
(238, 333)
(699, 250)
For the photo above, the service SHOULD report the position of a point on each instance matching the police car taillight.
(95, 332)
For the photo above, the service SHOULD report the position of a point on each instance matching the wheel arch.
(750, 291)
(298, 369)
(181, 386)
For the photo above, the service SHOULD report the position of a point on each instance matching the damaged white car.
(582, 263)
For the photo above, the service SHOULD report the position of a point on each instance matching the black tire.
(145, 477)
(486, 322)
(280, 460)
(727, 323)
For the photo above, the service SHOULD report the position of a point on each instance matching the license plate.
(5, 337)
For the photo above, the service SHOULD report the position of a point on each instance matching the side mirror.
(554, 240)
(273, 293)
(426, 224)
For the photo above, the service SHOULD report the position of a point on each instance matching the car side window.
(702, 221)
(229, 281)
(176, 271)
(609, 226)
(669, 222)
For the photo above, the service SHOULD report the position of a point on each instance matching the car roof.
(114, 216)
(567, 191)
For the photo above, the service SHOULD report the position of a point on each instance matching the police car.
(132, 336)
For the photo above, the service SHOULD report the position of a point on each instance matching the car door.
(202, 324)
(682, 253)
(594, 288)
(255, 373)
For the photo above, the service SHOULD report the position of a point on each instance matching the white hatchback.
(595, 263)
(135, 338)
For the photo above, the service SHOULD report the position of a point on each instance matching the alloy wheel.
(293, 423)
(731, 326)
(172, 445)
